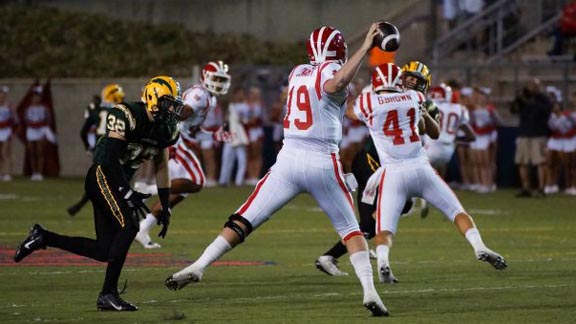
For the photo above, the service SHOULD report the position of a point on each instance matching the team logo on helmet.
(162, 98)
(326, 44)
(387, 77)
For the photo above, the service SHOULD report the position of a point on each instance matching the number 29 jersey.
(393, 122)
(313, 118)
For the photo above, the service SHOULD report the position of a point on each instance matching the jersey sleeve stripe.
(369, 104)
(319, 79)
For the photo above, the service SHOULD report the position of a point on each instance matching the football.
(388, 38)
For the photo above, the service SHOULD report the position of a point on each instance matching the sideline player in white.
(453, 117)
(395, 119)
(186, 174)
(308, 161)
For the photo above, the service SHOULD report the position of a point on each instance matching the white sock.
(147, 223)
(361, 263)
(382, 252)
(213, 252)
(474, 238)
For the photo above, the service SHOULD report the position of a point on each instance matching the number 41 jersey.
(392, 118)
(313, 118)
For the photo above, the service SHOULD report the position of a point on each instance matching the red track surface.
(59, 258)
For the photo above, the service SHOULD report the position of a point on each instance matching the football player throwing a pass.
(307, 163)
(135, 131)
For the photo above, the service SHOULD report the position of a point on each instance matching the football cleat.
(33, 242)
(372, 254)
(329, 265)
(493, 258)
(385, 274)
(74, 209)
(424, 210)
(146, 241)
(181, 279)
(113, 302)
(373, 303)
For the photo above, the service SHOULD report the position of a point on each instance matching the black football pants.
(115, 224)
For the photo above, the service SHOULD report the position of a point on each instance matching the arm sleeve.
(361, 107)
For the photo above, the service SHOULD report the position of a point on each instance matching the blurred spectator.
(449, 10)
(463, 148)
(484, 122)
(533, 108)
(236, 149)
(557, 143)
(565, 29)
(571, 149)
(255, 134)
(36, 121)
(7, 123)
(277, 113)
(212, 122)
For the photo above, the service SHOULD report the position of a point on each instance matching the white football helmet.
(215, 78)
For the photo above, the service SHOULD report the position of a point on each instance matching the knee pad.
(236, 228)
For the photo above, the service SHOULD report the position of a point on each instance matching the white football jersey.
(313, 119)
(201, 102)
(452, 115)
(393, 122)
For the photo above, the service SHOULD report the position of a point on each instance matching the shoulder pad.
(125, 111)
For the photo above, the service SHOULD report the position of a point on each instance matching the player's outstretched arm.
(343, 77)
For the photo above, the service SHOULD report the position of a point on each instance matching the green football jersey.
(145, 138)
(96, 115)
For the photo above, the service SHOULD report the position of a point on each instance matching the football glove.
(135, 201)
(164, 220)
(223, 133)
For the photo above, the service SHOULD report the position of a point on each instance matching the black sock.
(78, 245)
(116, 259)
(338, 250)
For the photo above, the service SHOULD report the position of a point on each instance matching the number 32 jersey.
(393, 122)
(313, 118)
(145, 138)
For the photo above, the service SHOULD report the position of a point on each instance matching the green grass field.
(440, 280)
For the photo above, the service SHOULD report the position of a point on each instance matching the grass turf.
(440, 280)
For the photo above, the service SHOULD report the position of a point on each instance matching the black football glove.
(164, 220)
(135, 201)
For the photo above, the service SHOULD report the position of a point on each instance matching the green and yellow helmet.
(421, 72)
(112, 94)
(162, 97)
